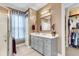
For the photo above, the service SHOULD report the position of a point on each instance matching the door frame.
(9, 52)
(7, 38)
(62, 29)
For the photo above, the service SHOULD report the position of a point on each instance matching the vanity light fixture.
(45, 11)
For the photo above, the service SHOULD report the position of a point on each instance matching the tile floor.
(23, 50)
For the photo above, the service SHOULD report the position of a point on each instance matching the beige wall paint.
(32, 20)
(3, 10)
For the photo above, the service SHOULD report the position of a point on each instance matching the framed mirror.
(46, 23)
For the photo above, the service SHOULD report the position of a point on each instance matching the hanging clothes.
(70, 25)
(76, 42)
(73, 36)
(75, 39)
(69, 33)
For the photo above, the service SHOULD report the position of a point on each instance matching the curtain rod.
(14, 9)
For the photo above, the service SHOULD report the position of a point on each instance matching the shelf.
(74, 15)
(75, 28)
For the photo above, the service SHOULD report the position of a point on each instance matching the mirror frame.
(50, 23)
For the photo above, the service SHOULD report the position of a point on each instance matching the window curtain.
(18, 24)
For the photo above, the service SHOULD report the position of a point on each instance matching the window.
(18, 25)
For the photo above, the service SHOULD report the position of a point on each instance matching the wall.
(32, 21)
(56, 19)
(3, 10)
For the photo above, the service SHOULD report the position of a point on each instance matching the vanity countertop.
(46, 35)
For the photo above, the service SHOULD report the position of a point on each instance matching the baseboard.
(27, 42)
(59, 54)
(29, 46)
(20, 44)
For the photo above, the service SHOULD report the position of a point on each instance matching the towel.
(33, 27)
(13, 46)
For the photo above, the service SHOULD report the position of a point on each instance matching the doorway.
(72, 48)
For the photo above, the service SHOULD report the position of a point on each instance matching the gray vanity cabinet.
(46, 46)
(32, 41)
(54, 47)
(40, 45)
(35, 43)
(50, 47)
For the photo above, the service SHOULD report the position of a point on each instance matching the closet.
(72, 28)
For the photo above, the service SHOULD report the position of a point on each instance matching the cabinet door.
(32, 41)
(47, 47)
(36, 43)
(54, 47)
(40, 45)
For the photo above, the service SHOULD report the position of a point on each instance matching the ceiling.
(66, 5)
(23, 6)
